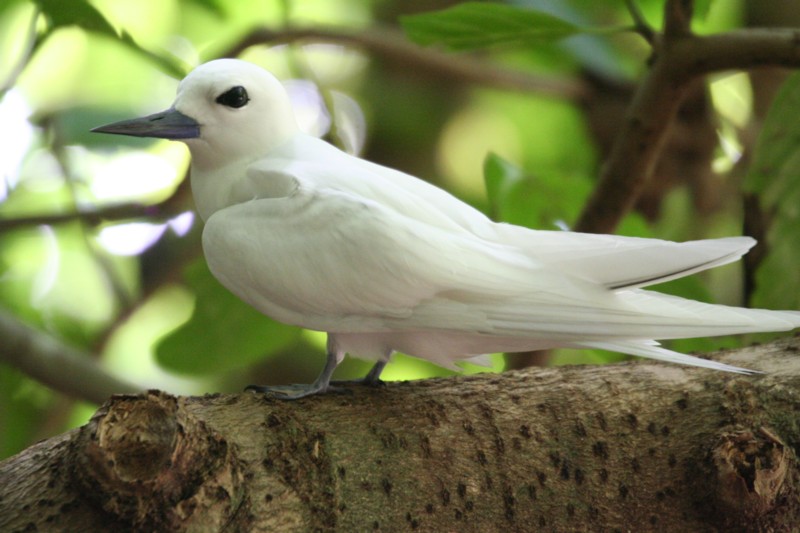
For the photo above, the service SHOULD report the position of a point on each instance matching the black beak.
(169, 124)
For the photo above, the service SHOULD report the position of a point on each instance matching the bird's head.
(226, 111)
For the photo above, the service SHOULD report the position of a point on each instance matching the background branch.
(63, 368)
(678, 61)
(392, 47)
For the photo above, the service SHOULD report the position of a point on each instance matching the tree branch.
(61, 367)
(626, 447)
(676, 63)
(392, 47)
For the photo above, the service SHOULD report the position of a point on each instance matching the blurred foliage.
(139, 296)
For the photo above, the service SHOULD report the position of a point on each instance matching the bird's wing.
(624, 262)
(336, 261)
(609, 260)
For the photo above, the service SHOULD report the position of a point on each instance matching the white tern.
(383, 261)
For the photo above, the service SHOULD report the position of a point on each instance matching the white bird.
(383, 261)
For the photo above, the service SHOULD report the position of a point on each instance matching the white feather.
(384, 261)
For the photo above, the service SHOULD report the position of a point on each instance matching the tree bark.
(637, 446)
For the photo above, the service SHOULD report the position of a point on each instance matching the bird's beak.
(169, 124)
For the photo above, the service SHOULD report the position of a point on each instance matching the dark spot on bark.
(653, 520)
(489, 483)
(665, 431)
(564, 472)
(580, 429)
(532, 491)
(429, 508)
(482, 458)
(578, 476)
(366, 485)
(669, 492)
(445, 496)
(623, 491)
(570, 510)
(600, 449)
(601, 421)
(525, 431)
(434, 419)
(267, 463)
(542, 477)
(542, 521)
(462, 490)
(268, 498)
(555, 459)
(273, 420)
(425, 444)
(593, 512)
(651, 428)
(632, 421)
(636, 466)
(672, 461)
(468, 427)
(469, 505)
(500, 445)
(542, 407)
(341, 471)
(342, 508)
(516, 444)
(376, 525)
(387, 486)
(603, 475)
(660, 496)
(515, 398)
(651, 452)
(683, 403)
(458, 514)
(509, 501)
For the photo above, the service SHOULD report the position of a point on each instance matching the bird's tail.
(652, 350)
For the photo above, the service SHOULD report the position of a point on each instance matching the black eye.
(235, 97)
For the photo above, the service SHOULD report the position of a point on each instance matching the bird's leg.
(372, 379)
(321, 384)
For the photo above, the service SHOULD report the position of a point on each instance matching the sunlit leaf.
(478, 25)
(81, 13)
(75, 13)
(223, 333)
(217, 7)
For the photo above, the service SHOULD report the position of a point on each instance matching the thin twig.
(677, 18)
(641, 26)
(391, 46)
(126, 211)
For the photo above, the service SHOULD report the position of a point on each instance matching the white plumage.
(384, 262)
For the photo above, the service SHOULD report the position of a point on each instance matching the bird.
(385, 262)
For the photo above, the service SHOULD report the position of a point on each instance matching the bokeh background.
(99, 244)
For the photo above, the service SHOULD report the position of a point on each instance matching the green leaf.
(499, 175)
(777, 144)
(223, 333)
(540, 202)
(775, 177)
(60, 13)
(75, 13)
(474, 25)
